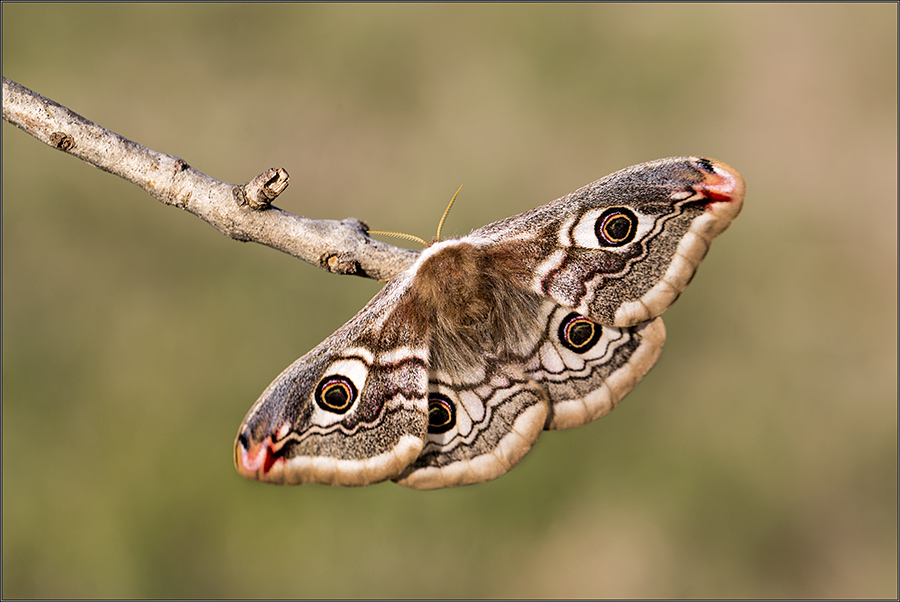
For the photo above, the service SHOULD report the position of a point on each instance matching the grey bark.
(240, 211)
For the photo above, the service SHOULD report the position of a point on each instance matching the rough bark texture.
(242, 212)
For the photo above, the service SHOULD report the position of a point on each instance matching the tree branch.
(242, 212)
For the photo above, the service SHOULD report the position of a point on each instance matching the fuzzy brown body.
(472, 301)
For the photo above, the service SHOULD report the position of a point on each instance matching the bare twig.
(242, 212)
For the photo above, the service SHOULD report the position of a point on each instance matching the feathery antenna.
(446, 211)
(413, 237)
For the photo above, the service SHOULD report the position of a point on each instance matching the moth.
(540, 321)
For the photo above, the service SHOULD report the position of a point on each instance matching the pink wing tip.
(723, 183)
(250, 459)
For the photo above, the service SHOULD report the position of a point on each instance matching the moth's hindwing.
(478, 429)
(587, 368)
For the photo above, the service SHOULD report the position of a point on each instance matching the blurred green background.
(758, 459)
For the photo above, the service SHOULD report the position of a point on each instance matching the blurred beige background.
(758, 459)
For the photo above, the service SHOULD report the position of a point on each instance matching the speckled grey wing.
(621, 250)
(352, 411)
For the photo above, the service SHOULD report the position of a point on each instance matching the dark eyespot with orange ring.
(441, 414)
(335, 394)
(616, 227)
(579, 334)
